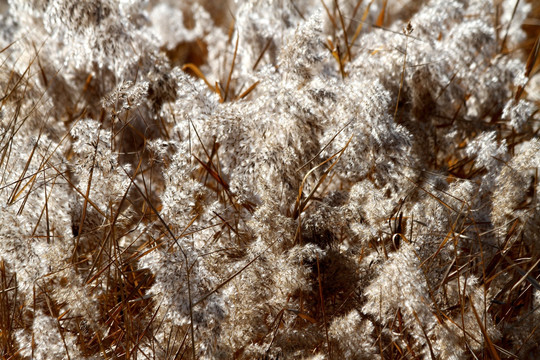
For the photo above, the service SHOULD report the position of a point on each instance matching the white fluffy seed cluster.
(268, 179)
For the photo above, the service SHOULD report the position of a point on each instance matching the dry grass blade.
(213, 173)
(222, 284)
(42, 71)
(277, 323)
(300, 205)
(89, 279)
(450, 235)
(407, 31)
(18, 190)
(491, 348)
(531, 61)
(248, 90)
(332, 20)
(524, 275)
(87, 196)
(380, 18)
(324, 147)
(232, 69)
(303, 316)
(428, 341)
(268, 43)
(8, 311)
(199, 73)
(144, 332)
(336, 53)
(322, 308)
(45, 209)
(434, 197)
(533, 57)
(354, 12)
(74, 187)
(7, 46)
(59, 327)
(16, 85)
(132, 181)
(361, 23)
(344, 29)
(503, 44)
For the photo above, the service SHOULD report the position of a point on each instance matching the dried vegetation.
(337, 179)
